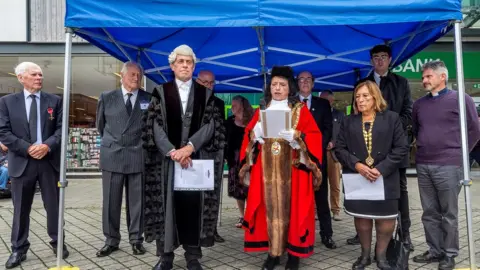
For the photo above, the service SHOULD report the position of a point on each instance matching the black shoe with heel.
(361, 263)
(270, 263)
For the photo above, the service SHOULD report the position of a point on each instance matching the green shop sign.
(412, 67)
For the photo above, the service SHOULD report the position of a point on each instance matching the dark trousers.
(191, 253)
(113, 184)
(323, 208)
(403, 203)
(23, 191)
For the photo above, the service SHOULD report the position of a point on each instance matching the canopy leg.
(62, 184)
(466, 182)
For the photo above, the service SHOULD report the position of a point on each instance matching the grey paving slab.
(83, 230)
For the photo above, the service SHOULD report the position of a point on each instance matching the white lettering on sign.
(409, 66)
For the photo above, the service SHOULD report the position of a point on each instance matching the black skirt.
(386, 209)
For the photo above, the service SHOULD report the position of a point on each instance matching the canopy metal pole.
(463, 133)
(62, 184)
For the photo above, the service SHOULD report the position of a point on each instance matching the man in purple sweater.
(439, 162)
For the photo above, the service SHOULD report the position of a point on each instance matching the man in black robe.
(182, 124)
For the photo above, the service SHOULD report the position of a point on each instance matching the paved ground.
(84, 236)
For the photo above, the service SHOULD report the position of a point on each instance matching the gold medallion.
(369, 161)
(276, 148)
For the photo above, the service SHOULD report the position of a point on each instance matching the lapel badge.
(50, 111)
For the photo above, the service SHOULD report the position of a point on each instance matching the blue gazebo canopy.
(240, 40)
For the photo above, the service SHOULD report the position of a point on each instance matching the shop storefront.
(95, 73)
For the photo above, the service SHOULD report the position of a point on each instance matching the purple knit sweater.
(436, 124)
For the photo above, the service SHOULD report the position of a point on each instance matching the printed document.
(357, 187)
(274, 121)
(194, 178)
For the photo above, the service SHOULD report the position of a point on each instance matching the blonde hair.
(379, 105)
(182, 50)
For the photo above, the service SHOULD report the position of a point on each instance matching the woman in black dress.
(372, 143)
(235, 125)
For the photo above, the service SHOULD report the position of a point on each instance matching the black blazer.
(388, 150)
(322, 113)
(337, 121)
(396, 92)
(15, 134)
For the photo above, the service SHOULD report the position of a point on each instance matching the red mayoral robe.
(280, 212)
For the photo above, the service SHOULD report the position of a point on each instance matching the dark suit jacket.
(121, 148)
(337, 121)
(388, 150)
(396, 92)
(15, 134)
(322, 113)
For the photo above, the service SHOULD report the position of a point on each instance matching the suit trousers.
(321, 202)
(113, 184)
(23, 191)
(439, 188)
(191, 253)
(403, 204)
(334, 182)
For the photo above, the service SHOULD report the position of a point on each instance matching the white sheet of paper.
(195, 178)
(274, 121)
(357, 187)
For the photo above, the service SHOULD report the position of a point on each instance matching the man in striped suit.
(119, 121)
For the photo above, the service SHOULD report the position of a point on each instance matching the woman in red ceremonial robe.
(282, 171)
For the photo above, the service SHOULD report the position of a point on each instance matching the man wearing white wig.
(182, 124)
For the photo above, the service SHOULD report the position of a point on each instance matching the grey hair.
(181, 50)
(128, 64)
(25, 67)
(438, 67)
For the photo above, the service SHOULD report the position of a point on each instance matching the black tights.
(384, 228)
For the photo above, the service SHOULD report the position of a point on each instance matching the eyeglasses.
(380, 57)
(305, 79)
(207, 82)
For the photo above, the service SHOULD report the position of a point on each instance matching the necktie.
(383, 80)
(128, 104)
(305, 100)
(32, 119)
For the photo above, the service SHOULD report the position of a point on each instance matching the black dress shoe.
(65, 251)
(293, 262)
(138, 249)
(15, 259)
(361, 263)
(328, 242)
(270, 263)
(163, 265)
(194, 265)
(218, 238)
(447, 263)
(353, 241)
(106, 250)
(427, 257)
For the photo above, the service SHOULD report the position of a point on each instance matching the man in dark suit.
(207, 79)
(396, 92)
(322, 113)
(333, 165)
(31, 128)
(119, 122)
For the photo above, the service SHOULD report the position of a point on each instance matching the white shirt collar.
(309, 97)
(180, 84)
(125, 92)
(27, 94)
(279, 105)
(377, 76)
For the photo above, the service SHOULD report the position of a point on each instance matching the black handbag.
(397, 252)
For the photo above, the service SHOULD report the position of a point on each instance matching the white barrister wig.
(25, 67)
(181, 50)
